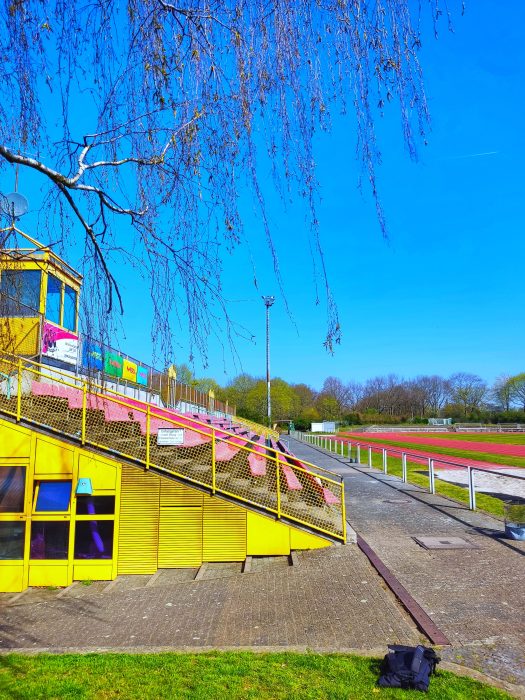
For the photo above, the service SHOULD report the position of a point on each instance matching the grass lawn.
(214, 676)
(507, 460)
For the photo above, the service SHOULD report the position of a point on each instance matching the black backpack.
(408, 667)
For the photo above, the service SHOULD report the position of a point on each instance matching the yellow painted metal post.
(213, 466)
(84, 409)
(343, 510)
(278, 485)
(19, 392)
(148, 431)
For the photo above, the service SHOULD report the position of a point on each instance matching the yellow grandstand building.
(106, 465)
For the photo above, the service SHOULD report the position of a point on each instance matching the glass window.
(95, 505)
(12, 487)
(21, 292)
(12, 540)
(49, 540)
(70, 309)
(53, 496)
(94, 539)
(53, 299)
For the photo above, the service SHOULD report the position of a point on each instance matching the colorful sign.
(113, 364)
(59, 344)
(95, 357)
(170, 436)
(129, 370)
(142, 376)
(92, 356)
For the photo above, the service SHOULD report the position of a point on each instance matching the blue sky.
(446, 292)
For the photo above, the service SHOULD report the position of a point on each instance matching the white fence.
(494, 483)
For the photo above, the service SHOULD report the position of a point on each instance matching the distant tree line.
(383, 399)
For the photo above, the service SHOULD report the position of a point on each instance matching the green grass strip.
(209, 676)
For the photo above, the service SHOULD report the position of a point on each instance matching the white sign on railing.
(170, 436)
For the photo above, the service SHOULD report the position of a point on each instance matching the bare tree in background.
(467, 390)
(502, 391)
(142, 116)
(432, 392)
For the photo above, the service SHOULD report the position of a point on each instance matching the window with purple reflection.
(12, 487)
(94, 539)
(95, 505)
(49, 540)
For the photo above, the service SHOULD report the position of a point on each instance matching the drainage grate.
(444, 542)
(397, 500)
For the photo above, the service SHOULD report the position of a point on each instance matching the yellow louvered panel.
(180, 537)
(139, 522)
(174, 494)
(224, 531)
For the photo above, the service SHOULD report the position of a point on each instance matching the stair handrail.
(196, 426)
(318, 481)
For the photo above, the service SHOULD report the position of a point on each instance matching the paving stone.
(127, 582)
(169, 576)
(267, 563)
(333, 601)
(472, 595)
(86, 588)
(213, 570)
(35, 595)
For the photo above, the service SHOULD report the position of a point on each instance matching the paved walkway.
(329, 600)
(475, 596)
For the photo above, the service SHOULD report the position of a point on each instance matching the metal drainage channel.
(424, 622)
(416, 612)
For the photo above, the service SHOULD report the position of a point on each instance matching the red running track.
(487, 447)
(438, 458)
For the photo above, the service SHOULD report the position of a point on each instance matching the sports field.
(496, 438)
(479, 449)
(504, 460)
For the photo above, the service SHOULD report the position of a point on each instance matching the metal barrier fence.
(364, 453)
(198, 453)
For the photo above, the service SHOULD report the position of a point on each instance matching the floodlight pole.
(268, 301)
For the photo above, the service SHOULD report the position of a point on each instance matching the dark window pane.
(70, 309)
(53, 496)
(94, 539)
(49, 540)
(54, 289)
(20, 290)
(12, 540)
(95, 505)
(12, 485)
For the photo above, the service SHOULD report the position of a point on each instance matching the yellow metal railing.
(258, 428)
(208, 456)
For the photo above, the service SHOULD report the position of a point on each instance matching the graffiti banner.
(92, 356)
(142, 376)
(59, 344)
(113, 364)
(129, 371)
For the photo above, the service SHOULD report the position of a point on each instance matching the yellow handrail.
(271, 456)
(123, 400)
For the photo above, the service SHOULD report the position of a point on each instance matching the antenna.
(14, 205)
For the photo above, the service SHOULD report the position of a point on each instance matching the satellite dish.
(14, 204)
